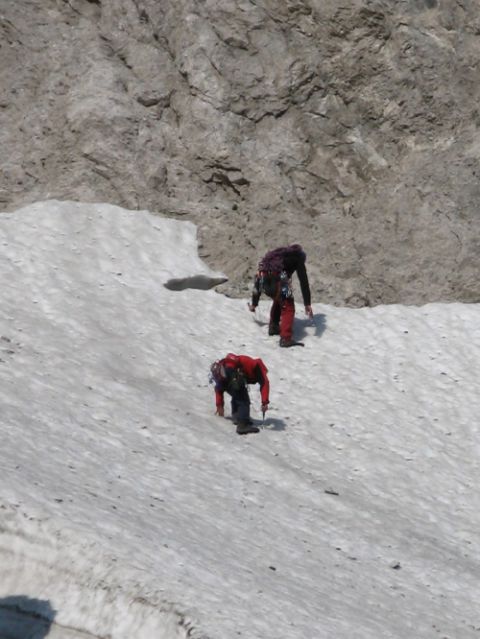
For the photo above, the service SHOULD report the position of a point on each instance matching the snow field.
(130, 508)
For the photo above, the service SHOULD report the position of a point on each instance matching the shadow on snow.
(22, 617)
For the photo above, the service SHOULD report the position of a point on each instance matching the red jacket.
(254, 370)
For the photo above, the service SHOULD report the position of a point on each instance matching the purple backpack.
(271, 267)
(273, 261)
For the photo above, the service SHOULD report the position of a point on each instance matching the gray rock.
(350, 127)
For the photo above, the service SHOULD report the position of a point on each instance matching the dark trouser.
(282, 313)
(240, 404)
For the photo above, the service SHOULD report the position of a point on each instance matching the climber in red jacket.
(232, 374)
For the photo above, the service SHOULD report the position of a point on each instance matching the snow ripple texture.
(55, 581)
(128, 509)
(93, 597)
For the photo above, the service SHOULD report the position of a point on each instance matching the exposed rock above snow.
(350, 127)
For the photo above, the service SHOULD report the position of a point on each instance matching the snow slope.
(128, 509)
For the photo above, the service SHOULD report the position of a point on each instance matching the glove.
(220, 411)
(264, 408)
(309, 312)
(252, 308)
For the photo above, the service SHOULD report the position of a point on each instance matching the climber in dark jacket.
(273, 278)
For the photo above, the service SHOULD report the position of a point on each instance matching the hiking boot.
(245, 427)
(274, 329)
(286, 343)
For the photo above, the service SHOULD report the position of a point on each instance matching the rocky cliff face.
(350, 127)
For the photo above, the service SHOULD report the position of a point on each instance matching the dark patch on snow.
(22, 616)
(200, 282)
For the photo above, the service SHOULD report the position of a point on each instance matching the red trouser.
(283, 313)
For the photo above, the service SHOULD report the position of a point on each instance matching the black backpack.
(234, 374)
